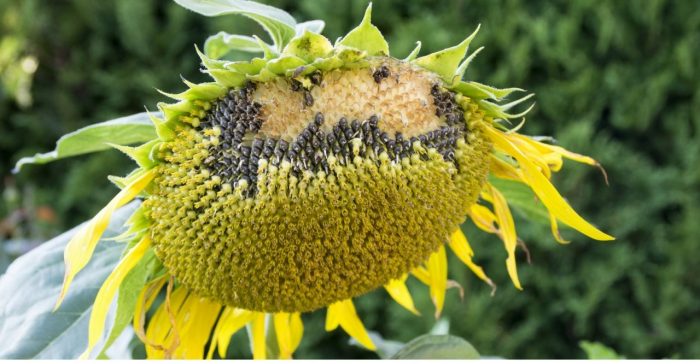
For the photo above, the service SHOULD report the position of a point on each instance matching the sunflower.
(305, 178)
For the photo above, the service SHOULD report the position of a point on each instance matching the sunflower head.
(311, 175)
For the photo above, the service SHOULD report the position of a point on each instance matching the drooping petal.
(284, 335)
(507, 228)
(544, 189)
(555, 230)
(296, 326)
(399, 292)
(483, 218)
(196, 320)
(460, 246)
(257, 330)
(109, 288)
(231, 320)
(437, 267)
(80, 248)
(148, 295)
(162, 331)
(289, 329)
(343, 313)
(422, 275)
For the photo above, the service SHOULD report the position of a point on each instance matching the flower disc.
(294, 193)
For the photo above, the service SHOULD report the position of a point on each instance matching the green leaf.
(367, 37)
(28, 327)
(521, 197)
(595, 351)
(414, 53)
(278, 23)
(446, 62)
(309, 46)
(480, 91)
(437, 347)
(385, 348)
(221, 43)
(123, 131)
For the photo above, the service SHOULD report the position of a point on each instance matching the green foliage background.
(615, 80)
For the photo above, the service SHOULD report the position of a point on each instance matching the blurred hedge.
(615, 80)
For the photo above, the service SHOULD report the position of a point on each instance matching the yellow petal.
(437, 267)
(216, 335)
(147, 296)
(296, 326)
(231, 320)
(345, 314)
(109, 288)
(422, 274)
(483, 218)
(541, 159)
(502, 169)
(284, 335)
(197, 319)
(544, 189)
(399, 292)
(80, 248)
(555, 230)
(161, 331)
(257, 329)
(507, 229)
(332, 320)
(460, 246)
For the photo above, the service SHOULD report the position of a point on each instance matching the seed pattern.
(275, 225)
(239, 148)
(446, 106)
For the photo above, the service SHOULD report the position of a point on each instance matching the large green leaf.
(598, 351)
(28, 327)
(437, 347)
(278, 23)
(123, 131)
